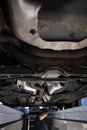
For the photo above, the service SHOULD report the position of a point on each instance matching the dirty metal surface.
(63, 20)
(24, 23)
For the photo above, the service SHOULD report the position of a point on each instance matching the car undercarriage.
(43, 52)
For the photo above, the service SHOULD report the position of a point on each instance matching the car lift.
(69, 119)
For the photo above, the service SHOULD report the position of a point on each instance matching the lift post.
(69, 119)
(10, 119)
